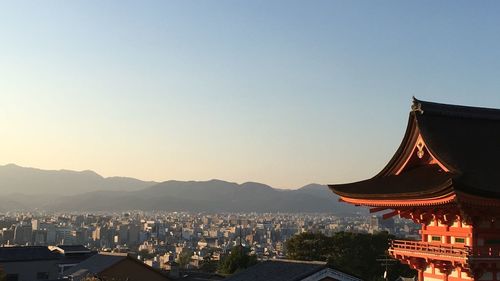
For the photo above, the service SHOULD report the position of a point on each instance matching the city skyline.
(282, 93)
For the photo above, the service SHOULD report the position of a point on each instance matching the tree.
(208, 264)
(309, 247)
(184, 258)
(145, 254)
(239, 258)
(354, 253)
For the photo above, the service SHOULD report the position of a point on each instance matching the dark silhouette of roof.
(31, 253)
(278, 270)
(200, 276)
(466, 140)
(426, 181)
(71, 249)
(95, 264)
(100, 262)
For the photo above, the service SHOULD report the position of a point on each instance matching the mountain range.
(64, 190)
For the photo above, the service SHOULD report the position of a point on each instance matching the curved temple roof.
(446, 148)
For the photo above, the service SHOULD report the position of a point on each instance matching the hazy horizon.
(155, 181)
(284, 93)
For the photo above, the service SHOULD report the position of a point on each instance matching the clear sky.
(280, 92)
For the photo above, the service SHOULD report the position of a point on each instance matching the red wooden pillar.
(420, 265)
(420, 275)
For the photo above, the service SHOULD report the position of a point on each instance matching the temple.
(446, 177)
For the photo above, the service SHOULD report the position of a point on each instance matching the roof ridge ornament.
(416, 106)
(420, 147)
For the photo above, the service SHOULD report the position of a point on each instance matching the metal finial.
(416, 106)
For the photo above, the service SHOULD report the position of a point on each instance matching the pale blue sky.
(280, 92)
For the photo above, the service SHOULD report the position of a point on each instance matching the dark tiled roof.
(408, 185)
(68, 249)
(95, 264)
(278, 270)
(466, 140)
(28, 253)
(200, 276)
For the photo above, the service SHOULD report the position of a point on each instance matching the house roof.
(100, 262)
(27, 253)
(278, 270)
(200, 276)
(95, 264)
(462, 146)
(70, 249)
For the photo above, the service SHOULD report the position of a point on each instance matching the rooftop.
(278, 270)
(447, 149)
(96, 264)
(31, 253)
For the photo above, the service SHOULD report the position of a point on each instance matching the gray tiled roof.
(20, 253)
(95, 264)
(68, 249)
(278, 270)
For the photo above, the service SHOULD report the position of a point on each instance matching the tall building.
(35, 224)
(22, 234)
(122, 234)
(96, 234)
(133, 234)
(374, 224)
(51, 232)
(444, 176)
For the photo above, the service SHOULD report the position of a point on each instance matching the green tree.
(354, 253)
(208, 264)
(145, 254)
(184, 258)
(309, 247)
(239, 258)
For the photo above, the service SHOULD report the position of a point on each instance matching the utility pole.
(386, 261)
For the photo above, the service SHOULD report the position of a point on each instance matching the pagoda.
(446, 177)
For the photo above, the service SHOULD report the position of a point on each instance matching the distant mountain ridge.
(17, 179)
(87, 191)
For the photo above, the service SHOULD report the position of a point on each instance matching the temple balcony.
(457, 253)
(425, 250)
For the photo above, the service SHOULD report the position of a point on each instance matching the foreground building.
(28, 263)
(116, 267)
(291, 270)
(446, 177)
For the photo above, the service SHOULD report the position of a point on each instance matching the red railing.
(448, 250)
(428, 248)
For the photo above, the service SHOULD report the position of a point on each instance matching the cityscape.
(237, 140)
(170, 233)
(157, 238)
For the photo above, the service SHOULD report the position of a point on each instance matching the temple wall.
(458, 233)
(483, 237)
(426, 278)
(431, 274)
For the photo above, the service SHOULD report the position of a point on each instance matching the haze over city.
(262, 140)
(285, 93)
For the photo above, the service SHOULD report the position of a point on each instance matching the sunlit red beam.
(378, 209)
(390, 215)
